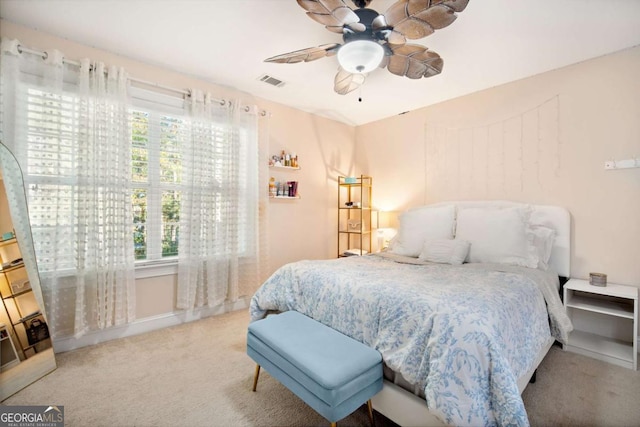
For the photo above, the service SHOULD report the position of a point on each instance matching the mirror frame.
(43, 362)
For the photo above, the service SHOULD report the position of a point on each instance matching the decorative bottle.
(272, 187)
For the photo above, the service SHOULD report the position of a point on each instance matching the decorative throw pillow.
(445, 251)
(497, 235)
(420, 224)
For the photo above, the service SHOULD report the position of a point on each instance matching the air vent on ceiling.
(271, 80)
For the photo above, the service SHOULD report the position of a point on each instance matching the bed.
(463, 307)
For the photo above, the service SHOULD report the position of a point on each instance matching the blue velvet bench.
(329, 371)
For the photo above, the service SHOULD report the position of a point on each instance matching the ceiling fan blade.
(346, 82)
(384, 62)
(354, 28)
(395, 37)
(321, 6)
(306, 55)
(378, 23)
(330, 13)
(414, 61)
(437, 17)
(338, 30)
(358, 27)
(457, 5)
(419, 18)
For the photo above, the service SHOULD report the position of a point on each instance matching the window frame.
(155, 104)
(152, 102)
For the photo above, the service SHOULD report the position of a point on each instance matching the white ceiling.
(225, 41)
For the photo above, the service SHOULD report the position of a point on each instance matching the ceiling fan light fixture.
(360, 56)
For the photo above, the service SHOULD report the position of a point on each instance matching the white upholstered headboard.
(554, 217)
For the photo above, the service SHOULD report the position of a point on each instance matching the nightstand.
(605, 321)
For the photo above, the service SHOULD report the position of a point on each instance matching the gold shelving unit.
(355, 227)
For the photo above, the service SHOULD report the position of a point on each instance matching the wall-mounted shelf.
(284, 167)
(284, 197)
(283, 189)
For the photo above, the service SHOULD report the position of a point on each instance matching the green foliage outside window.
(170, 222)
(139, 204)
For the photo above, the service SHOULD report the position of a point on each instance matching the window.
(159, 130)
(156, 178)
(116, 174)
(50, 161)
(156, 174)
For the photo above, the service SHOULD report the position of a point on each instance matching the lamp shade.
(360, 56)
(387, 219)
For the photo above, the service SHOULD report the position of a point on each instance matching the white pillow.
(543, 238)
(497, 235)
(420, 224)
(445, 251)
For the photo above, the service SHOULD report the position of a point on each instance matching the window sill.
(143, 270)
(147, 269)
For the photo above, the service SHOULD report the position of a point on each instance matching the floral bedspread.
(463, 334)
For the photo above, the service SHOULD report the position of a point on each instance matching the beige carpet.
(198, 374)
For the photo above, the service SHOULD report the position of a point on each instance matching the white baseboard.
(148, 324)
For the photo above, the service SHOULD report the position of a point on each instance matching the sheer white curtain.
(104, 241)
(69, 127)
(220, 252)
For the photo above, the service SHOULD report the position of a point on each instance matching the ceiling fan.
(377, 40)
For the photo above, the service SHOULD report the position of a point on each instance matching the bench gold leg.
(370, 407)
(255, 378)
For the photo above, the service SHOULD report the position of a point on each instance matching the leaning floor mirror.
(26, 351)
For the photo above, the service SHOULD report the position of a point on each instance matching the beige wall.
(306, 228)
(541, 140)
(299, 229)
